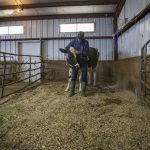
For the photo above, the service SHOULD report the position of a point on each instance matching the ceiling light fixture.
(19, 9)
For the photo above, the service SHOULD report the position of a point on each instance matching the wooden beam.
(134, 20)
(56, 38)
(59, 4)
(119, 8)
(64, 16)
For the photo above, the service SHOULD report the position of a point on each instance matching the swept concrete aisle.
(44, 118)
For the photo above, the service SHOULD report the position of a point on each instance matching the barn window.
(76, 27)
(15, 29)
(3, 30)
(11, 30)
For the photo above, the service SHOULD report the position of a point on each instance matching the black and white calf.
(93, 57)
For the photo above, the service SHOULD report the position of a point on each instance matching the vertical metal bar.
(36, 27)
(5, 44)
(42, 69)
(3, 80)
(31, 28)
(41, 48)
(145, 62)
(142, 61)
(10, 48)
(53, 39)
(16, 70)
(30, 71)
(47, 27)
(42, 60)
(16, 48)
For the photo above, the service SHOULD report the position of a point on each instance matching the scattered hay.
(45, 118)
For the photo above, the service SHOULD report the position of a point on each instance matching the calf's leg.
(94, 83)
(80, 82)
(84, 80)
(89, 78)
(73, 81)
(69, 80)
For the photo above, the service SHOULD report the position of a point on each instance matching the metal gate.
(13, 73)
(145, 71)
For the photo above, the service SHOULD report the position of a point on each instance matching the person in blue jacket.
(82, 48)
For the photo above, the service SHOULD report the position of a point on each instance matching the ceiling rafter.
(59, 4)
(64, 16)
(119, 7)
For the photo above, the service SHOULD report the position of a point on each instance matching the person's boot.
(72, 88)
(83, 89)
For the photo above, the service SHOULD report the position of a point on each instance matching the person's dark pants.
(83, 69)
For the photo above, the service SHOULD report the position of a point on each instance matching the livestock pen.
(35, 110)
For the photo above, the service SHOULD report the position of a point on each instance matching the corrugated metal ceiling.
(106, 6)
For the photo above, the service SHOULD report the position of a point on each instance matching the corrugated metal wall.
(131, 9)
(50, 28)
(130, 42)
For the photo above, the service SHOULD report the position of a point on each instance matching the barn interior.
(35, 110)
